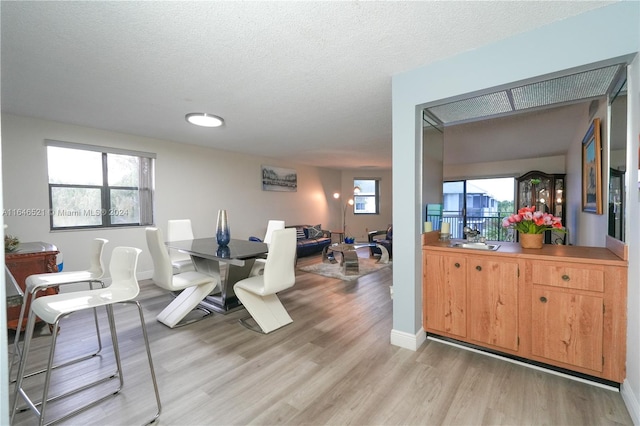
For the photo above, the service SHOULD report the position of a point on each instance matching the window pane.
(367, 187)
(364, 204)
(124, 206)
(123, 170)
(73, 166)
(76, 207)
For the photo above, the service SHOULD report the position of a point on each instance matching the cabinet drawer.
(557, 275)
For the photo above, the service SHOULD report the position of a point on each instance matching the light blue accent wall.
(596, 36)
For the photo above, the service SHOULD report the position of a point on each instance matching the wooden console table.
(29, 259)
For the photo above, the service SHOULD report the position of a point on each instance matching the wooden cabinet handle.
(457, 265)
(543, 299)
(566, 278)
(478, 268)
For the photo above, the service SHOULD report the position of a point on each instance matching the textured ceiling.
(306, 82)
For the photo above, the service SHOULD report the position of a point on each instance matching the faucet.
(472, 235)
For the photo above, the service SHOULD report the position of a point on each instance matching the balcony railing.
(490, 226)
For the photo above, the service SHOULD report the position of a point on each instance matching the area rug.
(334, 270)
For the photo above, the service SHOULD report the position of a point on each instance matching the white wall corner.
(408, 340)
(631, 402)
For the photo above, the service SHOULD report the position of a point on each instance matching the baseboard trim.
(408, 340)
(631, 402)
(525, 364)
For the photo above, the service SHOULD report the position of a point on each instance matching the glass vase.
(223, 235)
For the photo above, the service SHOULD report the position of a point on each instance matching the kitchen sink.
(476, 246)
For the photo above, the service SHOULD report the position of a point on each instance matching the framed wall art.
(592, 169)
(279, 179)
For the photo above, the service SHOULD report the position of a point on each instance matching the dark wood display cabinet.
(546, 193)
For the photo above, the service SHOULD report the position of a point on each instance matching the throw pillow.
(300, 234)
(315, 231)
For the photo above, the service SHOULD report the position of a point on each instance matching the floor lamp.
(344, 216)
(336, 195)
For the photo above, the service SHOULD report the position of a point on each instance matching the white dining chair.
(258, 293)
(38, 282)
(52, 309)
(194, 285)
(179, 230)
(258, 265)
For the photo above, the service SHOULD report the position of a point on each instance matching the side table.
(340, 235)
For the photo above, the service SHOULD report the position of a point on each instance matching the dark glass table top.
(235, 252)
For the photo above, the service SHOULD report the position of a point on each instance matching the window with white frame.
(98, 187)
(366, 196)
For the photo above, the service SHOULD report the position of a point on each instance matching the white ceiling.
(306, 82)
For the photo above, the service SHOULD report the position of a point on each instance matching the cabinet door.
(567, 327)
(445, 296)
(493, 302)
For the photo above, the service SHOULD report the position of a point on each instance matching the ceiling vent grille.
(553, 92)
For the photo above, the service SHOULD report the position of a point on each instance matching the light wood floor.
(333, 365)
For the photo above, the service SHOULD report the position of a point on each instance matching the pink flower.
(530, 221)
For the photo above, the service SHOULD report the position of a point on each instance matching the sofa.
(311, 239)
(384, 238)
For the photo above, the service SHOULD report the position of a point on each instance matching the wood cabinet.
(565, 307)
(446, 305)
(578, 317)
(472, 298)
(29, 259)
(493, 290)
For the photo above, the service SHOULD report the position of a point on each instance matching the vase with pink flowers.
(531, 225)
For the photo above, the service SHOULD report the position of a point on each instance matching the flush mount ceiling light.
(205, 120)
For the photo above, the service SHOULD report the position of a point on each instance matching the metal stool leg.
(151, 369)
(16, 343)
(50, 367)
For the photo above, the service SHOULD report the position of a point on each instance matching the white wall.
(587, 229)
(631, 386)
(568, 44)
(4, 356)
(512, 168)
(191, 182)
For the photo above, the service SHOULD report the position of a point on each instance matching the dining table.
(208, 256)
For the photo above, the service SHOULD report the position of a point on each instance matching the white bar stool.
(51, 309)
(38, 282)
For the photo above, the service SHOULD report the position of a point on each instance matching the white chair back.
(279, 271)
(272, 225)
(122, 268)
(178, 230)
(162, 272)
(96, 262)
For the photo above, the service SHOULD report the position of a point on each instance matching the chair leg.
(16, 341)
(23, 360)
(384, 254)
(151, 369)
(184, 303)
(267, 311)
(50, 367)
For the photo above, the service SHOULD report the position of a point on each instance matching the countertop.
(577, 254)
